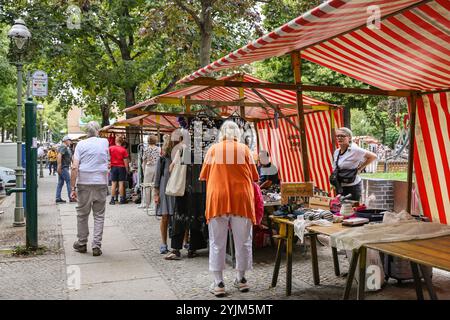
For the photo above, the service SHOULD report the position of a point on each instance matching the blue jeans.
(63, 177)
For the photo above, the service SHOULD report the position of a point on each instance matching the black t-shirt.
(66, 156)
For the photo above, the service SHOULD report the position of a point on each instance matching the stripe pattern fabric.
(432, 155)
(408, 49)
(283, 143)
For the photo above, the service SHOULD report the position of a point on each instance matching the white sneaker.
(242, 285)
(217, 289)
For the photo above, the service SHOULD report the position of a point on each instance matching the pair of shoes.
(112, 201)
(217, 289)
(174, 255)
(241, 285)
(192, 254)
(96, 252)
(60, 201)
(81, 248)
(163, 249)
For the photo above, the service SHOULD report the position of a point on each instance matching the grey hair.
(92, 129)
(229, 131)
(347, 131)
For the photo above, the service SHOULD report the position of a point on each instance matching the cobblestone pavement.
(44, 277)
(190, 278)
(40, 276)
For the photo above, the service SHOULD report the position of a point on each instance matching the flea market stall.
(399, 48)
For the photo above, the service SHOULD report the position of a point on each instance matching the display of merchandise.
(204, 132)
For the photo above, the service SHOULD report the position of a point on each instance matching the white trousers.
(242, 236)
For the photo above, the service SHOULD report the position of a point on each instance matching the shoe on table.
(241, 285)
(96, 252)
(60, 201)
(217, 289)
(81, 248)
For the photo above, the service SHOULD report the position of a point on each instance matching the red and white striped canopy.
(286, 100)
(149, 121)
(283, 143)
(409, 50)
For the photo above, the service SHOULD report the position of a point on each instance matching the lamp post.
(19, 35)
(40, 109)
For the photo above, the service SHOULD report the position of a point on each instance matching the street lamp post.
(19, 35)
(40, 108)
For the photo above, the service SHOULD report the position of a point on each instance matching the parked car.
(2, 190)
(8, 176)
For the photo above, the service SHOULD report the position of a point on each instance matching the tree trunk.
(3, 134)
(347, 117)
(130, 99)
(206, 33)
(105, 108)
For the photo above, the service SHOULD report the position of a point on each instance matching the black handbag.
(339, 175)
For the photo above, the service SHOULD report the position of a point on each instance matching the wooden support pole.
(412, 129)
(258, 146)
(205, 81)
(297, 66)
(282, 115)
(333, 130)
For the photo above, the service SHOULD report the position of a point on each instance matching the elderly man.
(89, 184)
(63, 160)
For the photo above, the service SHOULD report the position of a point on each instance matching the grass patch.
(400, 176)
(24, 251)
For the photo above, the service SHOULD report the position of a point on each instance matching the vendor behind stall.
(268, 172)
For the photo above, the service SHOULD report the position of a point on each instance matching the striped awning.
(410, 49)
(148, 121)
(432, 155)
(229, 99)
(282, 141)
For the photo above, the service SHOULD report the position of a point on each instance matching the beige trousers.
(91, 197)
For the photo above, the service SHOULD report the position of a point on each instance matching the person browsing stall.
(350, 158)
(268, 171)
(119, 170)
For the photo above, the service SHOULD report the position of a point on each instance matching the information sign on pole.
(40, 84)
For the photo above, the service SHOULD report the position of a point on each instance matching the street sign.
(40, 84)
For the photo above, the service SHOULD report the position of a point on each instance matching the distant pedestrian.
(89, 184)
(53, 160)
(149, 161)
(63, 160)
(119, 170)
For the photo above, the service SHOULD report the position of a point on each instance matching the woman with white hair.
(229, 171)
(350, 160)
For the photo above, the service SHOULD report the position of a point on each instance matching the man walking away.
(89, 184)
(119, 170)
(63, 162)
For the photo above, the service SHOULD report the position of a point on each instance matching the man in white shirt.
(89, 182)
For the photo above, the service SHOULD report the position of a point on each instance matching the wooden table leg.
(428, 282)
(351, 274)
(289, 242)
(276, 270)
(337, 272)
(314, 260)
(417, 281)
(269, 225)
(362, 273)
